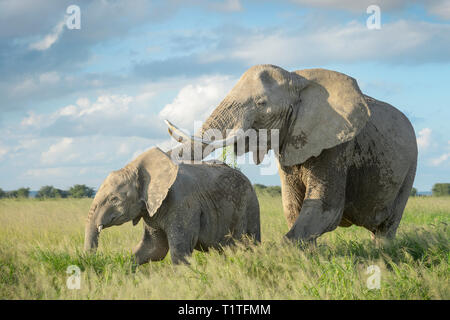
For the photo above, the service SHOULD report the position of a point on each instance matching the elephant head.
(313, 110)
(140, 187)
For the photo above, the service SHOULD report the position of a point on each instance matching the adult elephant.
(344, 158)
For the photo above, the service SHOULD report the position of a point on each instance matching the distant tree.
(413, 192)
(2, 193)
(12, 194)
(274, 190)
(81, 191)
(50, 192)
(441, 189)
(45, 192)
(259, 188)
(61, 193)
(270, 190)
(23, 193)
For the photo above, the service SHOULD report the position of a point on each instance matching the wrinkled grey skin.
(184, 206)
(344, 158)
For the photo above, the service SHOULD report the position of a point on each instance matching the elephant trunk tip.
(91, 238)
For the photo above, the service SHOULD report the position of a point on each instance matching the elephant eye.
(261, 102)
(115, 199)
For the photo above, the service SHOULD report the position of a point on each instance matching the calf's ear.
(157, 173)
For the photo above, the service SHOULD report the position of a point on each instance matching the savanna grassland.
(40, 239)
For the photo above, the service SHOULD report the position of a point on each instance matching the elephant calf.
(185, 206)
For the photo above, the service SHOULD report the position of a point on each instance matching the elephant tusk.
(234, 137)
(100, 227)
(181, 136)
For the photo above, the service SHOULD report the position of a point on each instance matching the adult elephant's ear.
(331, 111)
(157, 173)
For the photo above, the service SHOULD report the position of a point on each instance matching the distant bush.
(23, 193)
(11, 194)
(51, 192)
(19, 193)
(81, 191)
(413, 192)
(270, 190)
(441, 189)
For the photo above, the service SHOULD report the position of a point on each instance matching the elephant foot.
(380, 240)
(302, 243)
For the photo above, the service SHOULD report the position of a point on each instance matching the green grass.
(39, 239)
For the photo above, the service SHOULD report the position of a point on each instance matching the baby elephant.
(184, 206)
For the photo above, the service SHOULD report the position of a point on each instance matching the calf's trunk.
(91, 234)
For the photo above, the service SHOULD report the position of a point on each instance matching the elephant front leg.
(323, 205)
(153, 246)
(315, 219)
(292, 192)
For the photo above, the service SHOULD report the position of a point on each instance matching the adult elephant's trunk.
(224, 118)
(225, 126)
(92, 232)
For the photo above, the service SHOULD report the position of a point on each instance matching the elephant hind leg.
(183, 233)
(388, 228)
(253, 218)
(182, 244)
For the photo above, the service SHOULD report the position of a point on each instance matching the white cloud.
(145, 98)
(91, 150)
(28, 85)
(45, 172)
(353, 5)
(123, 149)
(115, 115)
(49, 78)
(438, 161)
(59, 152)
(31, 85)
(83, 102)
(32, 120)
(442, 158)
(195, 102)
(400, 41)
(227, 5)
(69, 110)
(424, 138)
(3, 151)
(440, 8)
(107, 105)
(49, 39)
(108, 115)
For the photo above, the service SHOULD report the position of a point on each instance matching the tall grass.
(39, 239)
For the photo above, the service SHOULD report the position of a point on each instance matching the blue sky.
(77, 104)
